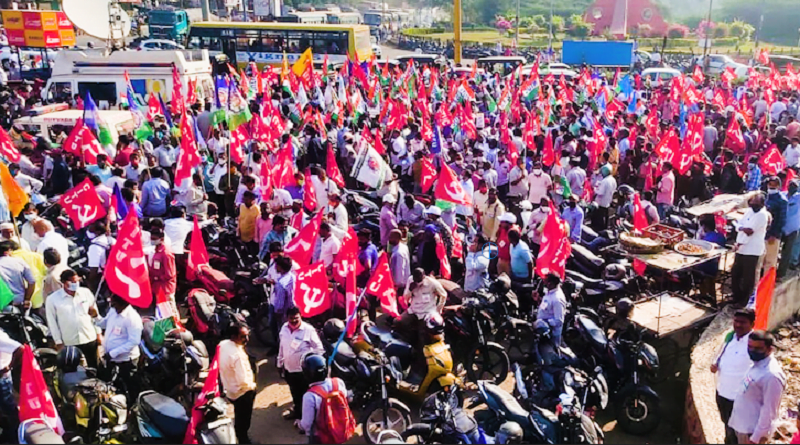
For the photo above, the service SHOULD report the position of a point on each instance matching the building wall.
(602, 13)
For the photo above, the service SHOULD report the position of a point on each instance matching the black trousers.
(243, 412)
(219, 200)
(600, 218)
(89, 351)
(129, 377)
(725, 407)
(298, 387)
(744, 274)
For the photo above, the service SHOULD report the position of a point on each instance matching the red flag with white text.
(309, 194)
(188, 158)
(283, 170)
(126, 271)
(444, 261)
(35, 401)
(301, 247)
(639, 217)
(7, 147)
(428, 175)
(82, 204)
(210, 391)
(772, 161)
(448, 187)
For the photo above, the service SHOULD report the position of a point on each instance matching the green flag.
(567, 191)
(6, 297)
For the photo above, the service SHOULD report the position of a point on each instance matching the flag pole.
(350, 319)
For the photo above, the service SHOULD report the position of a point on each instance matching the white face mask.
(72, 286)
(157, 242)
(537, 171)
(30, 216)
(91, 235)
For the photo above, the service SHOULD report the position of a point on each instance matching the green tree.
(721, 30)
(540, 20)
(741, 30)
(578, 27)
(558, 23)
(781, 18)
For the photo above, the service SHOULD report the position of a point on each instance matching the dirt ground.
(273, 398)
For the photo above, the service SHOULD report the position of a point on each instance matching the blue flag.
(90, 117)
(436, 143)
(633, 104)
(625, 85)
(121, 207)
(198, 134)
(165, 111)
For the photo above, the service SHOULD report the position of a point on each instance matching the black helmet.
(332, 330)
(614, 271)
(314, 368)
(624, 307)
(69, 358)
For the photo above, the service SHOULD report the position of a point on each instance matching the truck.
(169, 24)
(150, 72)
(597, 53)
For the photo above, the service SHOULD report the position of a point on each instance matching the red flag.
(531, 130)
(266, 178)
(301, 247)
(283, 170)
(81, 142)
(766, 287)
(239, 137)
(718, 100)
(790, 176)
(588, 191)
(639, 267)
(311, 290)
(177, 101)
(683, 159)
(197, 255)
(210, 391)
(555, 246)
(549, 154)
(728, 75)
(381, 285)
(35, 401)
(668, 146)
(126, 271)
(7, 148)
(444, 261)
(613, 108)
(309, 195)
(734, 138)
(153, 107)
(332, 169)
(188, 158)
(772, 161)
(82, 204)
(428, 175)
(448, 187)
(697, 75)
(639, 218)
(344, 267)
(379, 147)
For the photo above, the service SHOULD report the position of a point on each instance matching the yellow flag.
(284, 68)
(299, 66)
(16, 196)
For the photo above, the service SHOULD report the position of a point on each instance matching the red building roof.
(610, 14)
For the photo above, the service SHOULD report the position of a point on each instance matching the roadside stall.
(33, 38)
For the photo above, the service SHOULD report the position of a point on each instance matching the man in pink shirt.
(263, 223)
(666, 190)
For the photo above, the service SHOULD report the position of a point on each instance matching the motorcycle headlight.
(648, 358)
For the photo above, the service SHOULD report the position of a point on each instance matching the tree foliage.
(781, 17)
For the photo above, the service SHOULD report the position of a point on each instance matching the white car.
(376, 49)
(158, 44)
(717, 63)
(660, 74)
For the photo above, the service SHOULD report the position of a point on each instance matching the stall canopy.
(38, 29)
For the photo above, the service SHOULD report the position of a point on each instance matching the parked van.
(49, 124)
(79, 72)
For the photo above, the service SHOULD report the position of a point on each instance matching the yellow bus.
(265, 42)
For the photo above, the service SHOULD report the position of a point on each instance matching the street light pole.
(517, 37)
(760, 25)
(457, 31)
(550, 34)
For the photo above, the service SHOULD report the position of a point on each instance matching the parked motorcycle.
(174, 364)
(442, 420)
(25, 327)
(161, 419)
(209, 319)
(37, 431)
(570, 425)
(628, 363)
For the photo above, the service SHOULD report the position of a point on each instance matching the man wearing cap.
(7, 234)
(388, 222)
(434, 215)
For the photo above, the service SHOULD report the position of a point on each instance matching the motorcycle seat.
(168, 415)
(345, 355)
(383, 336)
(507, 403)
(546, 413)
(69, 381)
(518, 323)
(38, 432)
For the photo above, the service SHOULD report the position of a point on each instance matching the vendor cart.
(676, 322)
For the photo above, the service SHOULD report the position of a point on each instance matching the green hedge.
(422, 31)
(673, 43)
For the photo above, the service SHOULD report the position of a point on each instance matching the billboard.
(38, 29)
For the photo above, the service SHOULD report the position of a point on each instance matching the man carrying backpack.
(326, 413)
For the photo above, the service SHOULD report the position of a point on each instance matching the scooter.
(37, 431)
(442, 420)
(160, 419)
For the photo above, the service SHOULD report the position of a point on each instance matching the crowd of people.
(463, 172)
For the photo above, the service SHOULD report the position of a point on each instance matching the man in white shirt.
(750, 245)
(70, 316)
(731, 365)
(340, 221)
(425, 297)
(330, 245)
(323, 187)
(218, 144)
(297, 339)
(237, 379)
(539, 183)
(603, 197)
(280, 203)
(123, 333)
(97, 253)
(176, 229)
(51, 238)
(400, 152)
(411, 211)
(776, 109)
(518, 185)
(792, 153)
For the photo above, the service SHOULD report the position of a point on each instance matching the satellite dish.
(103, 19)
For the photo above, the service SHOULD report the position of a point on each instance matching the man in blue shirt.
(155, 194)
(791, 248)
(101, 170)
(776, 205)
(573, 215)
(753, 175)
(281, 232)
(521, 259)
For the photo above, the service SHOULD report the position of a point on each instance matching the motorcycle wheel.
(637, 412)
(487, 362)
(397, 418)
(262, 328)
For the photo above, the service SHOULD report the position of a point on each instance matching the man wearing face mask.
(756, 408)
(70, 316)
(750, 245)
(297, 339)
(163, 274)
(99, 246)
(28, 234)
(553, 306)
(753, 175)
(7, 234)
(777, 206)
(573, 215)
(539, 184)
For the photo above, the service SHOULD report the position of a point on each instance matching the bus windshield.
(372, 19)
